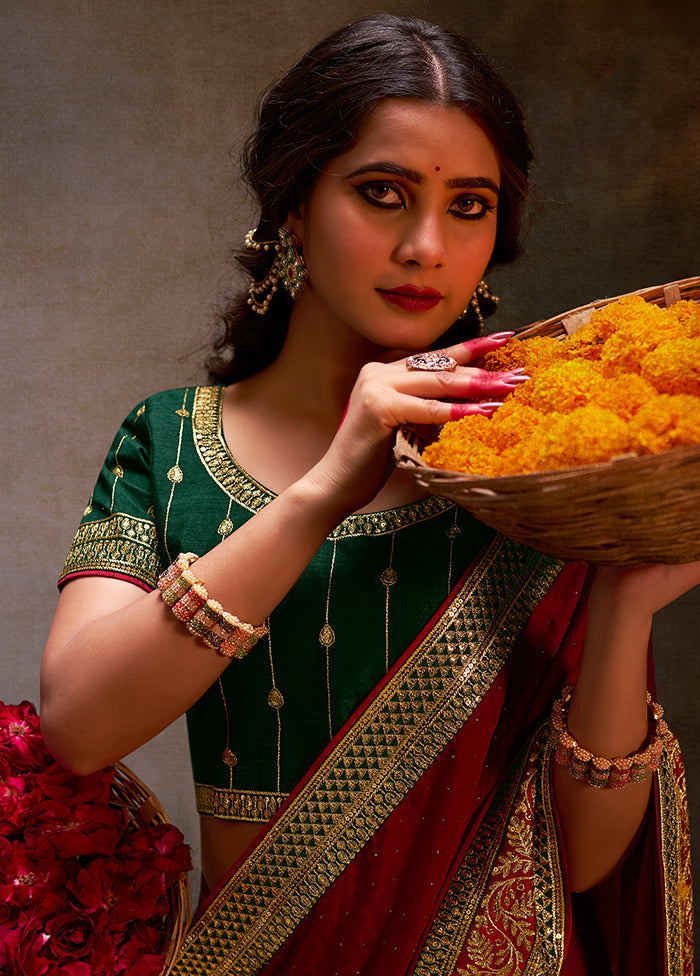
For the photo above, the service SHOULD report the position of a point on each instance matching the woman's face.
(398, 231)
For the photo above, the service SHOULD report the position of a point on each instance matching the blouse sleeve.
(117, 534)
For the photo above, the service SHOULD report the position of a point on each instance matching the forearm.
(608, 717)
(118, 666)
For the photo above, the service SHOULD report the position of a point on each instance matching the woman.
(378, 766)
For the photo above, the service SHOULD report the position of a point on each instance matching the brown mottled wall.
(119, 204)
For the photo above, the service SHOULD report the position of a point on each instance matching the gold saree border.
(675, 862)
(372, 768)
(214, 454)
(504, 910)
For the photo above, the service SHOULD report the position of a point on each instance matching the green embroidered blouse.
(170, 485)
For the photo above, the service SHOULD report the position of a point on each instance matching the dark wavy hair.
(316, 112)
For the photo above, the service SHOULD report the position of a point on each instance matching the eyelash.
(367, 189)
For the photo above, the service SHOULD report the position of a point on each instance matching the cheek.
(346, 245)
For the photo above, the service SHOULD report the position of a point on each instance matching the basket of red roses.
(93, 877)
(597, 457)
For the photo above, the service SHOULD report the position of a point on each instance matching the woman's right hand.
(388, 395)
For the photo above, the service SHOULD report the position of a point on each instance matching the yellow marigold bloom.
(687, 314)
(532, 355)
(667, 421)
(511, 424)
(463, 443)
(587, 435)
(510, 356)
(562, 386)
(625, 394)
(674, 366)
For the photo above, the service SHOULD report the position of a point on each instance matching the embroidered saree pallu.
(424, 840)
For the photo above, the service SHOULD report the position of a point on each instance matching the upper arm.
(82, 601)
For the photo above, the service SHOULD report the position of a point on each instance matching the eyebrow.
(413, 176)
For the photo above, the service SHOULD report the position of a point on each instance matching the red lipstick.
(411, 298)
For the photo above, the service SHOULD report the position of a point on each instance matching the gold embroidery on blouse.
(117, 471)
(275, 699)
(453, 533)
(675, 858)
(175, 474)
(256, 806)
(250, 494)
(120, 543)
(387, 579)
(413, 717)
(326, 639)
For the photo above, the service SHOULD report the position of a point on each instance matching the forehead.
(424, 136)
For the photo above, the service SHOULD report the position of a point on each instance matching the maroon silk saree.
(425, 839)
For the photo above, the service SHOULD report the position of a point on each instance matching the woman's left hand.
(646, 589)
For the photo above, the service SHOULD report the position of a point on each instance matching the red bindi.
(437, 169)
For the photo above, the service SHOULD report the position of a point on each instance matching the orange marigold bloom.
(462, 446)
(587, 435)
(667, 421)
(511, 424)
(510, 356)
(674, 366)
(562, 386)
(687, 314)
(625, 394)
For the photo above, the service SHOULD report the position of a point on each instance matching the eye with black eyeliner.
(381, 193)
(472, 208)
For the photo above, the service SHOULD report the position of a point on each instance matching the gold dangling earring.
(482, 291)
(288, 267)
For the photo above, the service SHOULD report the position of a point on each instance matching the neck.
(318, 365)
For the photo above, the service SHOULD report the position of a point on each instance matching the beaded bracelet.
(597, 770)
(206, 619)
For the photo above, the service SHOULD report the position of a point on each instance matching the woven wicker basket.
(144, 810)
(627, 511)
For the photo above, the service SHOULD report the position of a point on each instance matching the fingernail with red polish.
(500, 335)
(459, 410)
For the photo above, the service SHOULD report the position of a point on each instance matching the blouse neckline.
(214, 453)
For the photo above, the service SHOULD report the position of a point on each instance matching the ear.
(295, 225)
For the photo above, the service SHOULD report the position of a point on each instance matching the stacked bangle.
(597, 770)
(206, 619)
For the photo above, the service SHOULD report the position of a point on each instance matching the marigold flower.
(674, 366)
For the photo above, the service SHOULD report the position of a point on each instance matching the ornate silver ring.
(433, 362)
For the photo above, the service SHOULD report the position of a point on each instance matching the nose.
(422, 241)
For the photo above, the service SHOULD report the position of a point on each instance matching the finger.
(473, 349)
(464, 383)
(414, 410)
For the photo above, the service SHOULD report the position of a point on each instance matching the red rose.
(56, 783)
(22, 952)
(162, 846)
(18, 798)
(26, 885)
(71, 935)
(20, 737)
(140, 955)
(123, 891)
(61, 830)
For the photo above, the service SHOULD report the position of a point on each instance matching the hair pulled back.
(316, 112)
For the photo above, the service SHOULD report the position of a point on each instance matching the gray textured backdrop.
(119, 202)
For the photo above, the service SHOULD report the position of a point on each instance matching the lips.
(411, 298)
